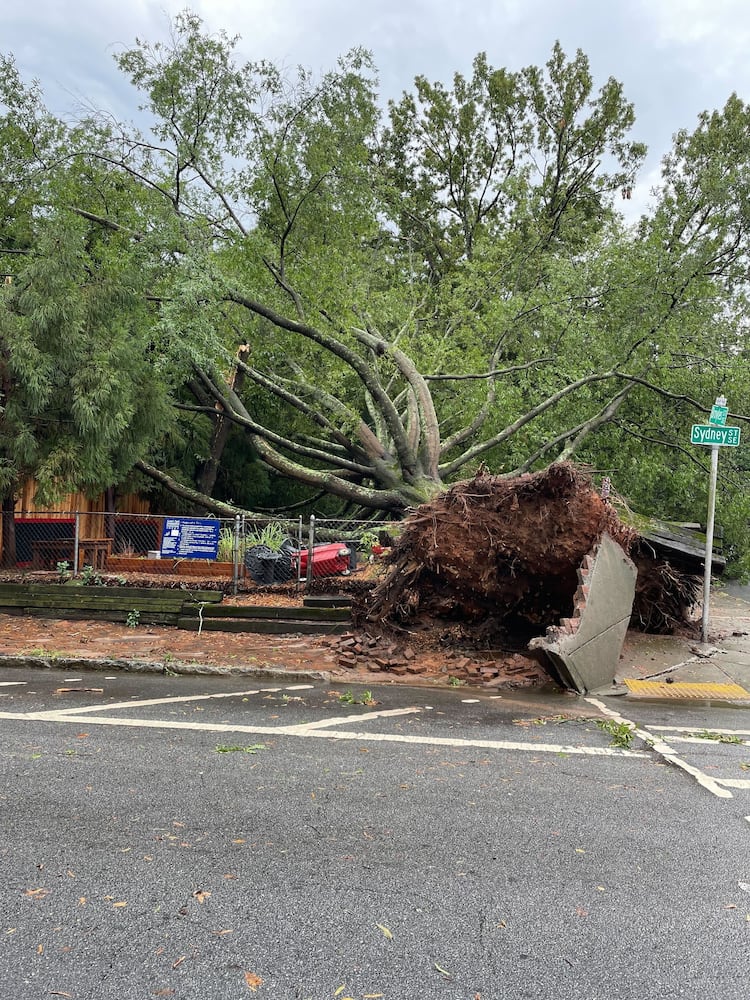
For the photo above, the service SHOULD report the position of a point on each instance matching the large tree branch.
(194, 496)
(678, 397)
(430, 431)
(492, 373)
(450, 468)
(274, 386)
(233, 409)
(353, 360)
(575, 436)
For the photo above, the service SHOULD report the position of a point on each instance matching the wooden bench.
(46, 553)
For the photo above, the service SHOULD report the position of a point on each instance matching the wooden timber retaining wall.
(201, 609)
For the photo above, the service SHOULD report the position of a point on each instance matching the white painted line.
(151, 701)
(707, 740)
(693, 729)
(8, 684)
(661, 747)
(470, 701)
(535, 748)
(300, 687)
(69, 680)
(734, 782)
(342, 719)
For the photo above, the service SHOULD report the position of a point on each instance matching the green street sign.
(718, 415)
(726, 437)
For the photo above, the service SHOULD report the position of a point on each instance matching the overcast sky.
(674, 57)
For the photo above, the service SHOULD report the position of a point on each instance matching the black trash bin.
(266, 566)
(255, 563)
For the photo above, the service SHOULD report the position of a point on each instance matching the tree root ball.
(504, 552)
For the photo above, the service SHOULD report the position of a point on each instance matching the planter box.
(202, 567)
(182, 567)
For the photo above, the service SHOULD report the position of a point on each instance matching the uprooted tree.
(497, 559)
(379, 307)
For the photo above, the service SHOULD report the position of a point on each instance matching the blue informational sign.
(190, 538)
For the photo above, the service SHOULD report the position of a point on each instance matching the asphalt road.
(208, 838)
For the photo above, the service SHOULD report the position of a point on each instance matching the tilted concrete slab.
(584, 650)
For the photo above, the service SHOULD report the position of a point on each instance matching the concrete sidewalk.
(676, 668)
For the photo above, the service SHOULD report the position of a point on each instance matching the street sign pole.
(717, 419)
(709, 539)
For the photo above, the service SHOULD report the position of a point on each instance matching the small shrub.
(620, 732)
(271, 535)
(133, 619)
(90, 577)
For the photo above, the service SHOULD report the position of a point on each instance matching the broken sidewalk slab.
(677, 543)
(584, 650)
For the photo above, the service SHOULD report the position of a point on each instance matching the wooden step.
(327, 601)
(264, 626)
(250, 611)
(110, 615)
(8, 590)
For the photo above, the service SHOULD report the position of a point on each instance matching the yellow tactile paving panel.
(702, 692)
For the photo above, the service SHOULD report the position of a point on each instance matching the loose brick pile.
(361, 651)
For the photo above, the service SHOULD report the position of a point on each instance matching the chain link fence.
(242, 552)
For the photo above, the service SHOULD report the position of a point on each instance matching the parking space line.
(693, 729)
(709, 739)
(365, 717)
(362, 737)
(146, 702)
(660, 746)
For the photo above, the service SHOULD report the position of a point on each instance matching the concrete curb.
(267, 672)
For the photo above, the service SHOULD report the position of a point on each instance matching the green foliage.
(349, 698)
(272, 535)
(366, 541)
(225, 550)
(90, 577)
(707, 734)
(133, 618)
(621, 733)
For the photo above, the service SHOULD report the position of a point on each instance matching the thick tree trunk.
(8, 560)
(220, 432)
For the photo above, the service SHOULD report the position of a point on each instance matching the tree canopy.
(369, 301)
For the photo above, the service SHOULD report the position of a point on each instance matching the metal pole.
(310, 544)
(709, 539)
(236, 555)
(76, 540)
(300, 529)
